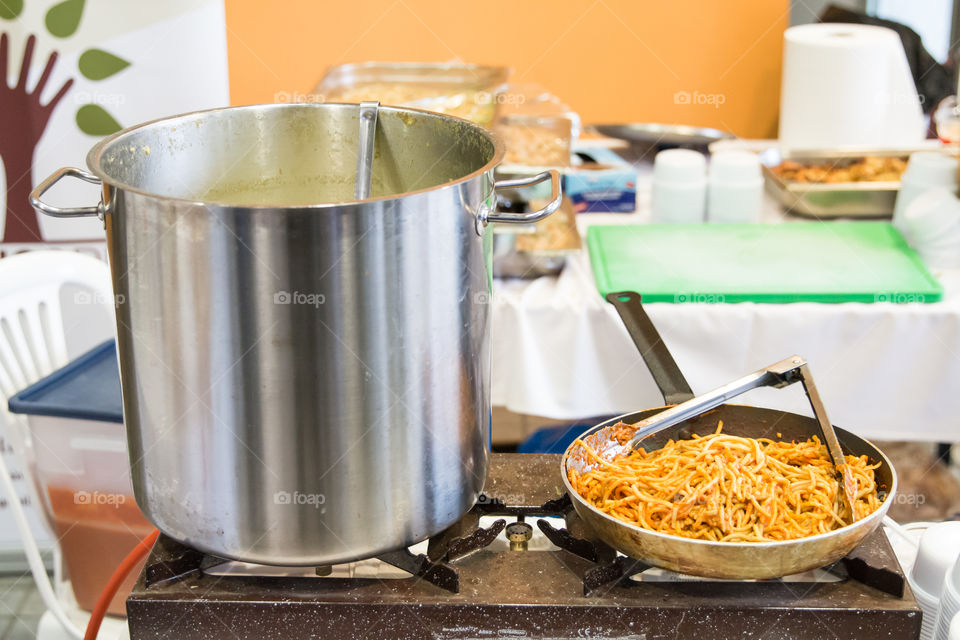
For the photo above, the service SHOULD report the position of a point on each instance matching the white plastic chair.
(54, 305)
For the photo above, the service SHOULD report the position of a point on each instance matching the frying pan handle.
(655, 354)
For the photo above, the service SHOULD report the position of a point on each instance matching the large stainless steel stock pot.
(306, 378)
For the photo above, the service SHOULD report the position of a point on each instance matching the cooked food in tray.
(725, 488)
(869, 169)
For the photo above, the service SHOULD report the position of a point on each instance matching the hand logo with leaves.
(24, 117)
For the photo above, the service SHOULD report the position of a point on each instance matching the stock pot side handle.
(533, 216)
(65, 212)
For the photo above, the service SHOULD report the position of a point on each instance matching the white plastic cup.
(931, 217)
(954, 633)
(679, 186)
(930, 607)
(936, 554)
(932, 167)
(949, 602)
(735, 187)
(931, 225)
(926, 170)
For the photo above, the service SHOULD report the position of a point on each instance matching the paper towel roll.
(847, 85)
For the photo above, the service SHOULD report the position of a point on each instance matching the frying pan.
(725, 560)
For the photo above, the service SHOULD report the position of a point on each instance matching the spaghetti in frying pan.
(724, 488)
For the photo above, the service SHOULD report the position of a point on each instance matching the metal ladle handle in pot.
(532, 216)
(365, 147)
(65, 212)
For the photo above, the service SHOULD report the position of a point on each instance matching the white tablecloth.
(885, 371)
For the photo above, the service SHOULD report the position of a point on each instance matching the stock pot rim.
(95, 154)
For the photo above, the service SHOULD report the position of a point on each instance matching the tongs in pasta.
(778, 375)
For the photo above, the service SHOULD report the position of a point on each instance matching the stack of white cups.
(937, 554)
(931, 225)
(735, 190)
(679, 186)
(926, 170)
(927, 211)
(949, 603)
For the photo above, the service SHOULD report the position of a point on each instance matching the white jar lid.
(734, 165)
(932, 167)
(679, 165)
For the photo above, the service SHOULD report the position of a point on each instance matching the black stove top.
(470, 582)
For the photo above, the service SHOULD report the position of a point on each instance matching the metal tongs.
(778, 375)
(365, 142)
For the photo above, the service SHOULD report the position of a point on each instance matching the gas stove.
(520, 564)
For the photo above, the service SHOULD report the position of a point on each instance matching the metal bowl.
(664, 135)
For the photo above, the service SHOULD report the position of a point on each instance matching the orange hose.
(113, 585)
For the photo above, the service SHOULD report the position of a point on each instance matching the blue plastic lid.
(87, 388)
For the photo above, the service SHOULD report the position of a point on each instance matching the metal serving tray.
(832, 200)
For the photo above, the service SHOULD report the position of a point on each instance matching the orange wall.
(611, 60)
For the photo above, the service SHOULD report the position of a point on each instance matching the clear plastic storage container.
(537, 128)
(464, 90)
(539, 141)
(82, 468)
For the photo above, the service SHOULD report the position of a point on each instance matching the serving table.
(885, 370)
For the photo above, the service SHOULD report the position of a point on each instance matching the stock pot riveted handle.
(65, 212)
(525, 218)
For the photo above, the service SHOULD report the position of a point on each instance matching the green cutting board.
(791, 262)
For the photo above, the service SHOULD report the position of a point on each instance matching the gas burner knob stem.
(519, 534)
